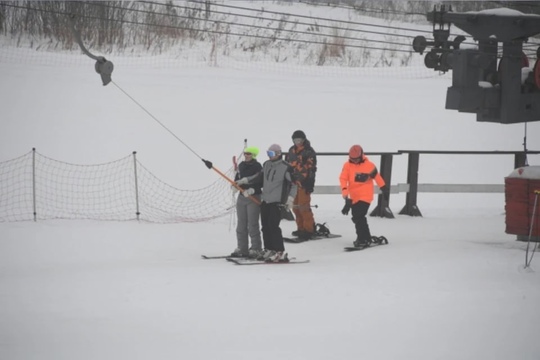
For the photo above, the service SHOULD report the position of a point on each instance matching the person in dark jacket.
(247, 210)
(303, 159)
(278, 190)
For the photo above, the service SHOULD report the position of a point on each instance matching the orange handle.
(251, 197)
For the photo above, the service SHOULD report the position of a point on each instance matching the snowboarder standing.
(303, 158)
(248, 211)
(356, 180)
(278, 190)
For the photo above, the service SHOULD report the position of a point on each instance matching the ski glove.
(290, 203)
(347, 207)
(243, 181)
(248, 192)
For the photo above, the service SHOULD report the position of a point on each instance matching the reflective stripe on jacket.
(356, 180)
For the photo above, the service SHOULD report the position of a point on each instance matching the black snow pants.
(270, 220)
(359, 211)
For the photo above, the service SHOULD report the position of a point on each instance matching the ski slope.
(450, 285)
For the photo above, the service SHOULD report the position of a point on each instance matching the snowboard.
(297, 240)
(375, 241)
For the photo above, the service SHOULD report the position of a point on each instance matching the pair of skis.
(375, 241)
(248, 261)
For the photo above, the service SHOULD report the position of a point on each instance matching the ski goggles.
(272, 153)
(248, 154)
(298, 141)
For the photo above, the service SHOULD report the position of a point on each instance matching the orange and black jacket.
(303, 160)
(356, 180)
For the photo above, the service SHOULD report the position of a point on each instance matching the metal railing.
(412, 187)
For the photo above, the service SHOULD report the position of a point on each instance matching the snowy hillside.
(449, 285)
(270, 31)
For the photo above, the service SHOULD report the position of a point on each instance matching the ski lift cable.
(107, 79)
(265, 27)
(156, 119)
(303, 16)
(207, 163)
(281, 20)
(234, 33)
(284, 30)
(334, 36)
(251, 35)
(227, 33)
(364, 9)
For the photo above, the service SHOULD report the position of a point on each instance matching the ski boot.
(361, 243)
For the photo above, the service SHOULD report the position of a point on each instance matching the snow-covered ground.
(446, 287)
(450, 285)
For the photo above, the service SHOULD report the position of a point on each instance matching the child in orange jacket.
(356, 180)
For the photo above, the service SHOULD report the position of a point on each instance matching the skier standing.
(278, 190)
(248, 211)
(356, 180)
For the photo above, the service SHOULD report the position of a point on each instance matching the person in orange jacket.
(356, 180)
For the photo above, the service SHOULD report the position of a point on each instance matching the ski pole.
(303, 206)
(527, 260)
(235, 158)
(300, 206)
(212, 167)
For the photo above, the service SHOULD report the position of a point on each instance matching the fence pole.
(411, 208)
(383, 208)
(520, 159)
(34, 182)
(136, 184)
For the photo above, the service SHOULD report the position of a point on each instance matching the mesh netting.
(35, 187)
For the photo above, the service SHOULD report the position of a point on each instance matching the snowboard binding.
(379, 240)
(322, 230)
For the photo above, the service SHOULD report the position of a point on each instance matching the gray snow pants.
(248, 213)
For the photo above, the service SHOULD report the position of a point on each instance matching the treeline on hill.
(102, 23)
(120, 24)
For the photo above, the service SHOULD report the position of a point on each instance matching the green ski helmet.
(254, 151)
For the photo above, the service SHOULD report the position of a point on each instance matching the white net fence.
(35, 187)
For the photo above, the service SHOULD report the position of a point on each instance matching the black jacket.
(249, 168)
